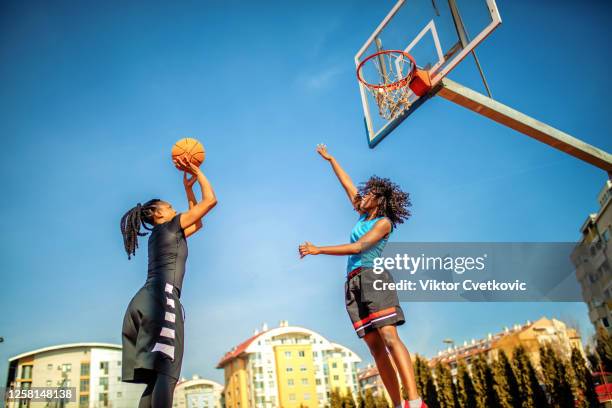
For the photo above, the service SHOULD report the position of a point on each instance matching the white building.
(197, 393)
(287, 366)
(92, 369)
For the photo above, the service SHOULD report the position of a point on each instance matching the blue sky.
(95, 94)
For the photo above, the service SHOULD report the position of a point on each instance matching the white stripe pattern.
(171, 317)
(375, 320)
(169, 288)
(166, 332)
(164, 348)
(170, 302)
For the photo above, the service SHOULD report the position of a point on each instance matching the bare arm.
(381, 229)
(207, 203)
(343, 177)
(191, 199)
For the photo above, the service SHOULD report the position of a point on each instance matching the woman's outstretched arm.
(208, 201)
(343, 177)
(381, 229)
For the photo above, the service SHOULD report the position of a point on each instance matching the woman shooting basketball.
(153, 323)
(375, 314)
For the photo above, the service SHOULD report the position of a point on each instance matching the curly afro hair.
(392, 202)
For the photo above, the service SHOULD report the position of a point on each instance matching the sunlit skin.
(385, 345)
(190, 220)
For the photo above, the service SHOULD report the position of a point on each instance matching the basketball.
(190, 149)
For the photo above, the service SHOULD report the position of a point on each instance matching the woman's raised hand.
(322, 150)
(187, 166)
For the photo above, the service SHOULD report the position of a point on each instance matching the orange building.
(529, 335)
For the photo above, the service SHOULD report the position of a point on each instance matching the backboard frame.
(437, 71)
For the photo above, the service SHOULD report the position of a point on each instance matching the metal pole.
(468, 98)
(464, 39)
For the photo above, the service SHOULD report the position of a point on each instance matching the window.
(334, 365)
(304, 381)
(306, 395)
(289, 369)
(103, 399)
(303, 368)
(104, 383)
(26, 372)
(49, 382)
(291, 397)
(84, 369)
(66, 368)
(336, 378)
(84, 385)
(287, 354)
(49, 366)
(290, 382)
(104, 367)
(84, 401)
(318, 381)
(301, 353)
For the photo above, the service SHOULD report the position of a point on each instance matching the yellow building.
(287, 367)
(529, 335)
(93, 370)
(591, 259)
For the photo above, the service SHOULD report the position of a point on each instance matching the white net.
(392, 71)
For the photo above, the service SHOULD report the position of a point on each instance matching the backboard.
(439, 34)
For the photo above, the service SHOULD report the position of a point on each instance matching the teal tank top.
(366, 258)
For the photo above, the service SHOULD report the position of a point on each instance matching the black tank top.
(168, 253)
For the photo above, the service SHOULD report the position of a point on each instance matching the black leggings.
(159, 392)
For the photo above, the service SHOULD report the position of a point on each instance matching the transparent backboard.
(439, 34)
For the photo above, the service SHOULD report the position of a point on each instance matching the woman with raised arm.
(381, 205)
(153, 323)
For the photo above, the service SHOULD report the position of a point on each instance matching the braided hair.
(391, 201)
(131, 221)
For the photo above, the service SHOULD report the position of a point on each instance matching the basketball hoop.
(394, 79)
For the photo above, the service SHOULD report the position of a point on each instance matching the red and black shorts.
(368, 307)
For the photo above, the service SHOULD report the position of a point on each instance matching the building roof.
(237, 351)
(243, 348)
(367, 372)
(65, 346)
(199, 381)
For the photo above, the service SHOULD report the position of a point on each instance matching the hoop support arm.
(527, 125)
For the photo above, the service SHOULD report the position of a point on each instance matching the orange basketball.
(190, 149)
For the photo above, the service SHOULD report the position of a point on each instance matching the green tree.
(603, 348)
(557, 377)
(347, 400)
(335, 399)
(584, 387)
(466, 395)
(425, 382)
(482, 377)
(360, 401)
(530, 391)
(446, 388)
(505, 384)
(381, 401)
(368, 399)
